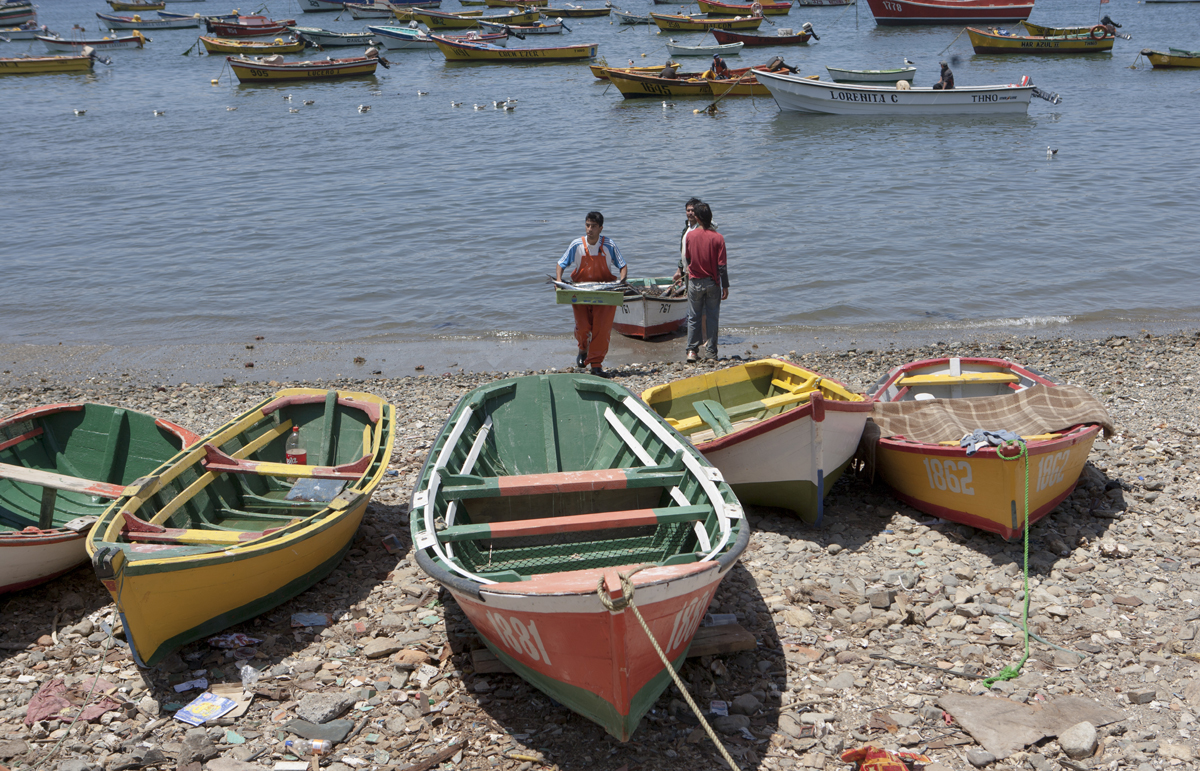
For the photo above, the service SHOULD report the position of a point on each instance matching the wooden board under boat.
(540, 489)
(60, 467)
(1174, 57)
(751, 39)
(781, 434)
(993, 41)
(650, 313)
(716, 8)
(45, 65)
(982, 489)
(220, 45)
(676, 23)
(218, 533)
(466, 51)
(257, 70)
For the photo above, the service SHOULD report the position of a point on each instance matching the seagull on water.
(498, 105)
(287, 98)
(80, 112)
(668, 104)
(160, 112)
(292, 109)
(364, 108)
(509, 107)
(309, 102)
(230, 109)
(1050, 153)
(456, 104)
(480, 106)
(422, 93)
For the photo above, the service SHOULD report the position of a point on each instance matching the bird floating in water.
(498, 105)
(456, 104)
(230, 109)
(422, 93)
(1050, 153)
(160, 112)
(509, 107)
(80, 112)
(668, 104)
(292, 109)
(309, 102)
(511, 100)
(287, 97)
(364, 108)
(479, 106)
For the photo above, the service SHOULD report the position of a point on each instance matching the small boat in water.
(466, 51)
(625, 17)
(958, 12)
(727, 49)
(45, 65)
(247, 26)
(369, 10)
(650, 310)
(524, 29)
(600, 69)
(137, 22)
(54, 43)
(781, 434)
(440, 20)
(715, 8)
(1172, 57)
(226, 529)
(997, 41)
(926, 442)
(637, 83)
(325, 38)
(872, 76)
(246, 48)
(677, 23)
(577, 13)
(783, 37)
(61, 465)
(540, 494)
(406, 38)
(123, 6)
(27, 31)
(16, 13)
(270, 68)
(317, 6)
(1041, 31)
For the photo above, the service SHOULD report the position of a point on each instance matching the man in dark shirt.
(947, 81)
(704, 253)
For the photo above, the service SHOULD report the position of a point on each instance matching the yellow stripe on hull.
(985, 43)
(983, 490)
(686, 24)
(1167, 60)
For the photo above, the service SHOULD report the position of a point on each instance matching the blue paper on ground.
(206, 706)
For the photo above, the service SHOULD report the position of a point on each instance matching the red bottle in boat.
(294, 451)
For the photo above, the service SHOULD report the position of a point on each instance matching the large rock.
(1079, 741)
(746, 704)
(731, 724)
(197, 747)
(378, 648)
(323, 707)
(334, 731)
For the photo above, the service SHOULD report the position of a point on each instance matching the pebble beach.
(870, 628)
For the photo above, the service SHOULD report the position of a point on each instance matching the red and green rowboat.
(538, 494)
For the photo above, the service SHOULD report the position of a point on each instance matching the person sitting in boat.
(947, 81)
(719, 67)
(671, 71)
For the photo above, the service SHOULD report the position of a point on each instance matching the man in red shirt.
(708, 282)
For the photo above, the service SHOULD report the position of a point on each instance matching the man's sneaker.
(580, 358)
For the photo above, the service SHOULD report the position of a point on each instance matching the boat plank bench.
(217, 461)
(947, 379)
(466, 486)
(51, 483)
(731, 413)
(606, 520)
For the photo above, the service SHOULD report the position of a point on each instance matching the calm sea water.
(418, 220)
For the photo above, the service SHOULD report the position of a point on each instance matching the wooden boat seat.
(688, 425)
(713, 413)
(373, 410)
(606, 520)
(217, 461)
(51, 483)
(947, 379)
(457, 487)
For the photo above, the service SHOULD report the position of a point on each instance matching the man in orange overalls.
(595, 256)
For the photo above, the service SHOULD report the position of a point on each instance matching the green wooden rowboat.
(538, 494)
(60, 466)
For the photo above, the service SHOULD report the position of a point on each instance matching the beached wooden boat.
(137, 22)
(922, 411)
(317, 6)
(121, 6)
(60, 467)
(27, 31)
(1172, 57)
(247, 26)
(625, 17)
(577, 13)
(650, 312)
(467, 51)
(677, 23)
(325, 38)
(54, 43)
(716, 8)
(781, 435)
(872, 76)
(16, 13)
(220, 45)
(217, 534)
(439, 20)
(263, 69)
(752, 39)
(726, 49)
(994, 41)
(524, 29)
(542, 489)
(958, 12)
(805, 94)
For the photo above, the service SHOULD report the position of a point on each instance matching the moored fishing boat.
(137, 22)
(600, 69)
(819, 3)
(782, 37)
(524, 29)
(55, 43)
(1042, 31)
(60, 467)
(217, 534)
(325, 38)
(439, 20)
(467, 51)
(805, 94)
(625, 17)
(872, 76)
(220, 45)
(743, 85)
(405, 38)
(537, 496)
(123, 6)
(781, 435)
(27, 31)
(902, 12)
(369, 10)
(247, 26)
(677, 23)
(516, 3)
(649, 310)
(995, 41)
(1172, 57)
(923, 440)
(265, 69)
(16, 13)
(726, 49)
(577, 13)
(642, 85)
(716, 8)
(318, 6)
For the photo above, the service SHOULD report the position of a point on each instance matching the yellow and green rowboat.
(40, 65)
(676, 23)
(467, 51)
(995, 42)
(226, 529)
(437, 20)
(1173, 57)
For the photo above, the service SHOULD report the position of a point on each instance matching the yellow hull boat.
(995, 42)
(224, 45)
(40, 65)
(466, 51)
(1175, 57)
(675, 23)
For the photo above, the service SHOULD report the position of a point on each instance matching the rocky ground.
(863, 625)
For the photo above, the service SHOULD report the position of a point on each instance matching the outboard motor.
(807, 27)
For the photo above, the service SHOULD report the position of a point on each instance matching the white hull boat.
(327, 39)
(872, 76)
(135, 22)
(625, 17)
(58, 44)
(370, 10)
(647, 316)
(315, 6)
(799, 94)
(728, 49)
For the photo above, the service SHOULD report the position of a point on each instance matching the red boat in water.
(727, 36)
(902, 12)
(248, 26)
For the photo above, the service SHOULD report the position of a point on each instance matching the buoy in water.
(214, 81)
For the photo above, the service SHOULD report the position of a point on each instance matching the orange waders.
(596, 320)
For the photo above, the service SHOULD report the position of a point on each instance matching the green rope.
(1013, 671)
